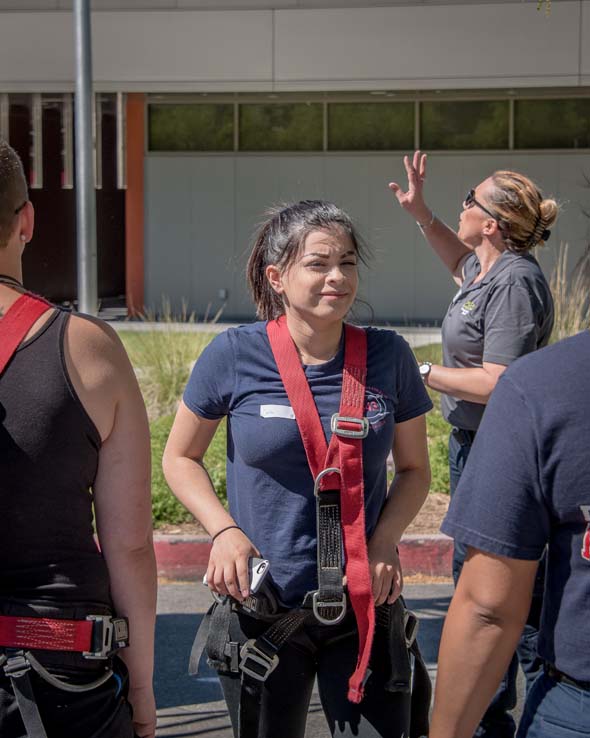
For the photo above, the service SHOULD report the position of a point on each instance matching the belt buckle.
(361, 432)
(114, 634)
(251, 653)
(317, 603)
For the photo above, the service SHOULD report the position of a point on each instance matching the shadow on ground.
(174, 687)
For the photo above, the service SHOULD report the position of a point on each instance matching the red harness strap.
(45, 633)
(17, 322)
(344, 453)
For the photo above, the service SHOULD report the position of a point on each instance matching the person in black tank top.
(74, 450)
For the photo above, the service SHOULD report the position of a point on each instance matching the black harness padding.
(421, 696)
(329, 558)
(217, 640)
(391, 638)
(213, 637)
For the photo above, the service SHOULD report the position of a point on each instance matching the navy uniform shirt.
(498, 319)
(527, 484)
(269, 484)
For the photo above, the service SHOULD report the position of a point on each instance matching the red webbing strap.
(344, 453)
(17, 322)
(46, 634)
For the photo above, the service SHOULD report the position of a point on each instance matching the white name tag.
(277, 411)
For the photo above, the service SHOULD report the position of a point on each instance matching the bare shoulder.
(99, 369)
(92, 345)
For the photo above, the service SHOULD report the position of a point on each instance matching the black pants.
(330, 653)
(101, 713)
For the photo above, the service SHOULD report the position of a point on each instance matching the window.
(199, 127)
(552, 124)
(477, 124)
(370, 126)
(281, 127)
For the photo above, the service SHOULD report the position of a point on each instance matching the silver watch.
(424, 369)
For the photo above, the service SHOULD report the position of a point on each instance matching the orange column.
(134, 204)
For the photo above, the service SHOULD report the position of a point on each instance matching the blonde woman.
(502, 310)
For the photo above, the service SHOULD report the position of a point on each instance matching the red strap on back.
(344, 453)
(17, 322)
(45, 633)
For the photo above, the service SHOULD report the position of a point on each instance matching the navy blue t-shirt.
(269, 484)
(527, 484)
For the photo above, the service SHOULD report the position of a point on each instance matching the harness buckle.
(255, 662)
(361, 430)
(108, 635)
(321, 475)
(411, 625)
(16, 665)
(316, 603)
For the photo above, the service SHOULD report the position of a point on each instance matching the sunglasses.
(470, 201)
(17, 211)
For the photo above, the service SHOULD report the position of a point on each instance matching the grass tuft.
(571, 296)
(166, 509)
(163, 358)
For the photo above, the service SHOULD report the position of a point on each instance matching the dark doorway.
(49, 263)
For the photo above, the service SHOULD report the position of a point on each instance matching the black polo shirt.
(503, 316)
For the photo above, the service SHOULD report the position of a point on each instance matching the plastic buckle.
(411, 625)
(321, 475)
(251, 653)
(317, 603)
(113, 634)
(361, 432)
(16, 665)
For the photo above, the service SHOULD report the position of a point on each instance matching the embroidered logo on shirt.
(468, 307)
(585, 552)
(375, 407)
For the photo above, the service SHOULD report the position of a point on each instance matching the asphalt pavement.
(194, 707)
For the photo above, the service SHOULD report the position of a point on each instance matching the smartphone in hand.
(257, 570)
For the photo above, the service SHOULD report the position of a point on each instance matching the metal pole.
(85, 194)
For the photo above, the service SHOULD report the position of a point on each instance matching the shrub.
(437, 427)
(163, 357)
(166, 508)
(570, 296)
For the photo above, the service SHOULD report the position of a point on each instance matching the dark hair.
(13, 190)
(278, 242)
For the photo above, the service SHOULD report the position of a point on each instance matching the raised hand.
(412, 199)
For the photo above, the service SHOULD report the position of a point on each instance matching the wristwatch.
(424, 369)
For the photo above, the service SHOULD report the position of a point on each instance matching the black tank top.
(48, 462)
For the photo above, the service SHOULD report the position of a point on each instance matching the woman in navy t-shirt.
(304, 266)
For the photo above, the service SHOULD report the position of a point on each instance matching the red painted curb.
(186, 557)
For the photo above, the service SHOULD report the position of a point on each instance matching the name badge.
(277, 411)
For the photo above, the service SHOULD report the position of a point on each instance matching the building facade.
(209, 111)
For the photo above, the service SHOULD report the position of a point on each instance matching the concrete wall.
(437, 46)
(201, 213)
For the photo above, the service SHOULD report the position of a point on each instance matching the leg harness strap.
(17, 667)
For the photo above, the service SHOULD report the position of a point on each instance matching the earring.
(23, 238)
